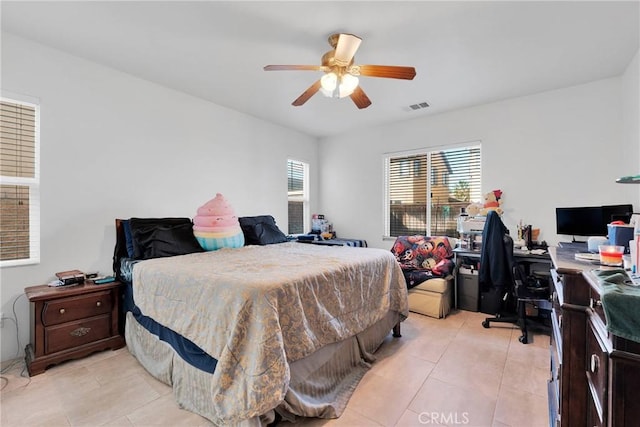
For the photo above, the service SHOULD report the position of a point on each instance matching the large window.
(19, 183)
(298, 195)
(426, 198)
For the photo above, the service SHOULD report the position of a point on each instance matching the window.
(19, 183)
(298, 196)
(417, 205)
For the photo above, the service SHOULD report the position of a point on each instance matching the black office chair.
(524, 290)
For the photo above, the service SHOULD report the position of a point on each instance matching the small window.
(298, 196)
(19, 183)
(417, 205)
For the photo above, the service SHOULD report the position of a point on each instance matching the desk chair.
(525, 290)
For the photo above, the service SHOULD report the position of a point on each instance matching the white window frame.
(304, 197)
(386, 235)
(32, 183)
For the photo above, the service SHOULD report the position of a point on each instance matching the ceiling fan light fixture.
(334, 86)
(341, 75)
(348, 84)
(329, 82)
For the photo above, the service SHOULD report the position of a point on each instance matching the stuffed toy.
(216, 225)
(474, 209)
(492, 202)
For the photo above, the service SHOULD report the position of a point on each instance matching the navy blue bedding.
(187, 350)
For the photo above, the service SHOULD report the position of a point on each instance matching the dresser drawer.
(556, 332)
(74, 334)
(78, 307)
(593, 417)
(596, 304)
(597, 359)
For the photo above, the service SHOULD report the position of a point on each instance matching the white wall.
(116, 146)
(631, 115)
(558, 148)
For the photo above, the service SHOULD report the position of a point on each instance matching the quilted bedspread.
(258, 308)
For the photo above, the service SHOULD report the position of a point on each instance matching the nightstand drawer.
(69, 335)
(78, 307)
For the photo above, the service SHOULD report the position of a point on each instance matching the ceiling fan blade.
(293, 67)
(307, 94)
(388, 71)
(360, 98)
(346, 48)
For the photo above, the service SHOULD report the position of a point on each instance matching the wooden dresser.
(595, 375)
(70, 322)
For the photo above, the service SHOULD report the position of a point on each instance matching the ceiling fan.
(341, 75)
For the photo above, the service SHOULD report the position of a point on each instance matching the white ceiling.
(465, 53)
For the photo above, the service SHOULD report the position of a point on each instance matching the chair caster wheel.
(485, 323)
(523, 339)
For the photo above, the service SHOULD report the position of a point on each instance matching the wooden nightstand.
(70, 322)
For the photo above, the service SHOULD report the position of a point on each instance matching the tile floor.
(442, 372)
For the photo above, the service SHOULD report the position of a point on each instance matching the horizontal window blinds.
(296, 196)
(17, 140)
(295, 173)
(426, 190)
(14, 222)
(19, 191)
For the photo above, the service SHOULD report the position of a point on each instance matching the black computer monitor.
(580, 221)
(617, 213)
(590, 220)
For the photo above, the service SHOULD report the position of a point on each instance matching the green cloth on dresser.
(621, 303)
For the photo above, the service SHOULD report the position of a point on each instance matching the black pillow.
(261, 230)
(162, 237)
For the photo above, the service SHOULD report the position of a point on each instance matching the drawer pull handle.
(560, 321)
(62, 311)
(595, 303)
(595, 363)
(80, 332)
(98, 304)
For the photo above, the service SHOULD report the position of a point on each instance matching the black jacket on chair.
(496, 257)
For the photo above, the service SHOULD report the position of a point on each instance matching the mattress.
(257, 310)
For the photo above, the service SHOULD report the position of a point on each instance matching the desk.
(544, 261)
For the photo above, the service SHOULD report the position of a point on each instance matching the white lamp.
(328, 84)
(333, 86)
(348, 84)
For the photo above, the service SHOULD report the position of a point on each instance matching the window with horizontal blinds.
(426, 190)
(297, 179)
(19, 187)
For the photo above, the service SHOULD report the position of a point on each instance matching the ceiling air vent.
(419, 106)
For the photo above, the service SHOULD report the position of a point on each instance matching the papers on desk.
(521, 252)
(529, 252)
(587, 256)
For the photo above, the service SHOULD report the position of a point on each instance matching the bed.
(252, 334)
